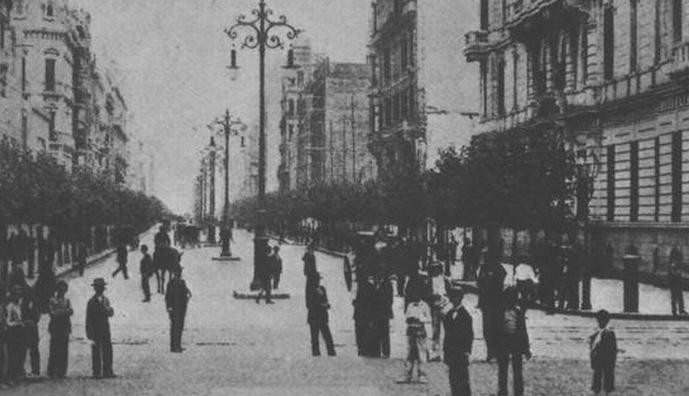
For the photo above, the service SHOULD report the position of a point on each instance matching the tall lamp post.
(211, 204)
(227, 123)
(262, 34)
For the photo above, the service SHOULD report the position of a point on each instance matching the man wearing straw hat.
(98, 312)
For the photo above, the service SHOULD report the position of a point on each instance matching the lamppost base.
(226, 258)
(252, 294)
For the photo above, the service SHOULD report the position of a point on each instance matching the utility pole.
(344, 148)
(353, 107)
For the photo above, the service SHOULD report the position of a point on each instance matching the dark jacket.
(518, 342)
(275, 264)
(122, 254)
(161, 239)
(309, 264)
(459, 336)
(146, 266)
(317, 304)
(177, 296)
(97, 319)
(490, 283)
(604, 353)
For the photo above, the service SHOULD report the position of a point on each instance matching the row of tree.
(35, 189)
(520, 179)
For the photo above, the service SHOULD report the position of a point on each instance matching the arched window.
(19, 7)
(50, 9)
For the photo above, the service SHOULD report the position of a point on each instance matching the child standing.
(417, 315)
(603, 347)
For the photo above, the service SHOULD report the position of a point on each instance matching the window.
(633, 18)
(404, 106)
(484, 87)
(388, 112)
(537, 72)
(300, 77)
(676, 177)
(49, 10)
(412, 104)
(611, 182)
(25, 130)
(634, 182)
(584, 54)
(374, 72)
(290, 128)
(397, 6)
(515, 79)
(396, 109)
(410, 43)
(484, 14)
(657, 44)
(23, 74)
(2, 33)
(608, 43)
(3, 79)
(403, 53)
(291, 107)
(574, 51)
(50, 74)
(19, 7)
(500, 97)
(387, 67)
(677, 20)
(41, 144)
(52, 133)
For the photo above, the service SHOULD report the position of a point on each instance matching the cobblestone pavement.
(236, 347)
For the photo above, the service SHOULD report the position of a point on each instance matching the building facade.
(611, 75)
(416, 101)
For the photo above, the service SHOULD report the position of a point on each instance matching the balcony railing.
(475, 45)
(679, 66)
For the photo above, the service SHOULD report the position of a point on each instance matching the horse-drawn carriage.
(166, 259)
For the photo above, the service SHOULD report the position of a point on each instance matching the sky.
(172, 57)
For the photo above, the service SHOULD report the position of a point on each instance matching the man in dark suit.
(513, 343)
(122, 254)
(98, 312)
(176, 299)
(317, 305)
(459, 338)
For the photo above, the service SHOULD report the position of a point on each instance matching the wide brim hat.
(99, 282)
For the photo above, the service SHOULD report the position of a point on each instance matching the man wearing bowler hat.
(459, 338)
(98, 312)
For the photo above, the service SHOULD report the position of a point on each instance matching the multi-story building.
(611, 75)
(416, 99)
(10, 98)
(293, 83)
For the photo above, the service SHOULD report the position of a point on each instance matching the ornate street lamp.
(228, 124)
(262, 33)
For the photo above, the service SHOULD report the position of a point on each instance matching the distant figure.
(122, 254)
(458, 342)
(60, 327)
(417, 314)
(467, 259)
(347, 269)
(146, 270)
(490, 283)
(176, 300)
(317, 305)
(276, 267)
(82, 257)
(603, 348)
(31, 316)
(263, 275)
(513, 339)
(675, 280)
(16, 341)
(98, 312)
(309, 260)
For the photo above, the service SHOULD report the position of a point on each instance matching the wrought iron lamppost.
(227, 123)
(262, 34)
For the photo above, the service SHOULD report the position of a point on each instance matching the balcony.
(679, 64)
(476, 45)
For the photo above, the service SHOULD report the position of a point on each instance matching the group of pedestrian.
(268, 274)
(19, 336)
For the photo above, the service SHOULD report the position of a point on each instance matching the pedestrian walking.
(525, 279)
(276, 267)
(438, 301)
(31, 316)
(603, 349)
(675, 281)
(16, 339)
(263, 274)
(122, 254)
(146, 270)
(176, 300)
(467, 259)
(98, 314)
(318, 305)
(383, 313)
(490, 283)
(82, 257)
(161, 241)
(458, 342)
(309, 260)
(347, 268)
(513, 344)
(60, 327)
(417, 314)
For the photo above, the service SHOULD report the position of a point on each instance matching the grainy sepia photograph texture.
(344, 197)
